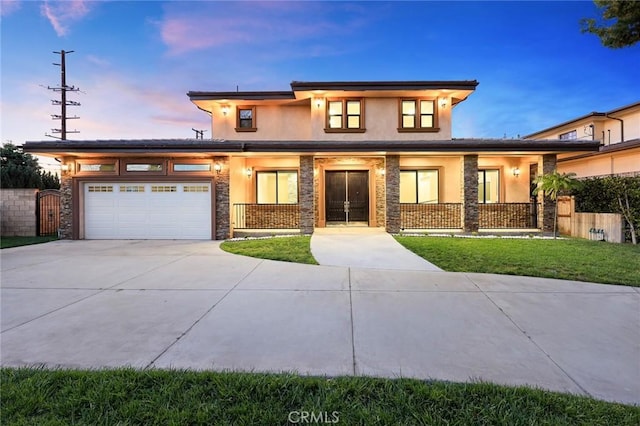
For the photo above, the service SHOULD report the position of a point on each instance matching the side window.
(246, 119)
(488, 186)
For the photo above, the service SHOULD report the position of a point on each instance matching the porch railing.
(431, 216)
(508, 215)
(266, 216)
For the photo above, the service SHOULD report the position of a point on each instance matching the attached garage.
(147, 210)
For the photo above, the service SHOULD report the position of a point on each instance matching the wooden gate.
(48, 212)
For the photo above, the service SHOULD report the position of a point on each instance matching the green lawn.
(289, 249)
(572, 259)
(7, 242)
(126, 396)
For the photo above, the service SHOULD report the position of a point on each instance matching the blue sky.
(135, 61)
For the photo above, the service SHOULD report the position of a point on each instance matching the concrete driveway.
(181, 304)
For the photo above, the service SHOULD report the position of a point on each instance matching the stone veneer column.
(307, 196)
(470, 214)
(392, 180)
(223, 212)
(66, 206)
(545, 167)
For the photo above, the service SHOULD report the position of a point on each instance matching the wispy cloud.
(7, 7)
(61, 14)
(216, 24)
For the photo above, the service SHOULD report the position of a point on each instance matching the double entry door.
(347, 197)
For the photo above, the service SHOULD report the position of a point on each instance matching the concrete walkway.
(363, 247)
(180, 304)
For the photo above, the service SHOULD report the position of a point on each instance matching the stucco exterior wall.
(621, 162)
(18, 212)
(307, 122)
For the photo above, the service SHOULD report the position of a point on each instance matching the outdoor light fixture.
(318, 102)
(225, 110)
(516, 171)
(217, 167)
(65, 167)
(381, 171)
(443, 102)
(248, 172)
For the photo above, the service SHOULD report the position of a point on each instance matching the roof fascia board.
(383, 85)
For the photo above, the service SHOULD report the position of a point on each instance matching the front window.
(488, 186)
(345, 115)
(277, 187)
(419, 186)
(417, 115)
(246, 119)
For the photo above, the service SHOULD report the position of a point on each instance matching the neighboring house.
(322, 154)
(617, 130)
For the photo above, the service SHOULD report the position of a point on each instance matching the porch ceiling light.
(516, 171)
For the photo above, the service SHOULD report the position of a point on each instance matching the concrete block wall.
(18, 212)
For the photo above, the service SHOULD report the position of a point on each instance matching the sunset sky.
(134, 62)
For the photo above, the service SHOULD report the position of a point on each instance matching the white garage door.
(132, 210)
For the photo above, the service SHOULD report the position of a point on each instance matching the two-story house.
(377, 154)
(619, 133)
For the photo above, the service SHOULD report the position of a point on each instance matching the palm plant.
(554, 184)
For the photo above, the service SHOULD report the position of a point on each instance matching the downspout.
(621, 126)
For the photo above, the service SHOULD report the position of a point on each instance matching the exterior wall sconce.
(516, 171)
(225, 110)
(443, 102)
(217, 167)
(65, 167)
(382, 171)
(248, 172)
(318, 102)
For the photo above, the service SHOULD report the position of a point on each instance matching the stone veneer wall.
(66, 207)
(307, 194)
(223, 212)
(470, 216)
(392, 178)
(431, 216)
(373, 164)
(547, 213)
(272, 216)
(18, 212)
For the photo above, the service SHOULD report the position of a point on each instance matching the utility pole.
(63, 102)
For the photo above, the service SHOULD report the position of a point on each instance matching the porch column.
(392, 195)
(307, 195)
(470, 215)
(223, 211)
(66, 205)
(547, 213)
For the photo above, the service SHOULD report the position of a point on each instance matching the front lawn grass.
(127, 396)
(7, 242)
(289, 249)
(571, 259)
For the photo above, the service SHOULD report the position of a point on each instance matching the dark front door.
(347, 196)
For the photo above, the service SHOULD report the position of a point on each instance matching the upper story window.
(246, 119)
(569, 136)
(345, 115)
(417, 115)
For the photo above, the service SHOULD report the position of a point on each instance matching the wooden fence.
(594, 226)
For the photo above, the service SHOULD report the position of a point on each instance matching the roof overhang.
(303, 92)
(200, 147)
